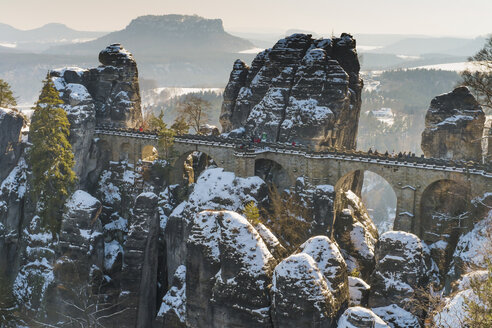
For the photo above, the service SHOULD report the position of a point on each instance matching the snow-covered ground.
(251, 51)
(457, 67)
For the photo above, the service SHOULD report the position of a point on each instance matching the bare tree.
(196, 111)
(480, 80)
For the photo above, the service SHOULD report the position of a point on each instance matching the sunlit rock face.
(301, 90)
(108, 94)
(111, 90)
(229, 269)
(400, 269)
(454, 126)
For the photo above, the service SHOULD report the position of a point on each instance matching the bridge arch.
(441, 208)
(188, 166)
(273, 173)
(381, 205)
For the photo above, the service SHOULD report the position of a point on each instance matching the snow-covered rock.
(172, 312)
(215, 189)
(273, 244)
(331, 263)
(471, 251)
(80, 254)
(454, 126)
(359, 317)
(139, 274)
(229, 269)
(400, 269)
(356, 235)
(301, 90)
(111, 90)
(396, 317)
(300, 294)
(358, 291)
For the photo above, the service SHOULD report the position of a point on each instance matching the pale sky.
(429, 17)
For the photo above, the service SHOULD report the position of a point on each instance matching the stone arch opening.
(149, 153)
(375, 192)
(272, 173)
(189, 166)
(125, 151)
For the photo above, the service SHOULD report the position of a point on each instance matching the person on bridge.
(140, 129)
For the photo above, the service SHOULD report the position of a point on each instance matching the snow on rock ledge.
(357, 317)
(400, 269)
(228, 262)
(300, 294)
(331, 264)
(215, 189)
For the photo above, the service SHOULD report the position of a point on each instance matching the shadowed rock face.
(454, 126)
(11, 124)
(301, 90)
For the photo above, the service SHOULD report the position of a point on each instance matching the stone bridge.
(410, 177)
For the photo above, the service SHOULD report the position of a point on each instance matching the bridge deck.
(244, 148)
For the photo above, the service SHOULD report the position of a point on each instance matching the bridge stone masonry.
(409, 176)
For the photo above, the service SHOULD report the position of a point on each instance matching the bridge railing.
(246, 146)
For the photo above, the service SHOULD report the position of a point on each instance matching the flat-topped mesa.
(112, 88)
(301, 90)
(454, 126)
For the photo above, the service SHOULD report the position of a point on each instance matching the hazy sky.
(431, 17)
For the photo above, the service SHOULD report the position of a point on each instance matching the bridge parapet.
(246, 146)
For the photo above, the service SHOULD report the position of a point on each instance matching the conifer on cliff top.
(51, 156)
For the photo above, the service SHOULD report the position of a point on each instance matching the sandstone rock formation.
(112, 89)
(359, 291)
(400, 269)
(80, 259)
(139, 276)
(228, 270)
(331, 263)
(359, 317)
(301, 90)
(396, 317)
(356, 235)
(214, 190)
(454, 126)
(11, 123)
(301, 296)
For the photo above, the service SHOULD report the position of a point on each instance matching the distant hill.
(170, 35)
(41, 38)
(434, 45)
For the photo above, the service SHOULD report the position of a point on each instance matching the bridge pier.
(406, 214)
(244, 165)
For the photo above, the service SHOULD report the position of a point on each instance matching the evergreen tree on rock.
(51, 156)
(7, 98)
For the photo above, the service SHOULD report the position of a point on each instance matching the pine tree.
(480, 80)
(180, 126)
(252, 213)
(7, 98)
(166, 135)
(51, 156)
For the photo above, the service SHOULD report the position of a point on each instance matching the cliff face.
(112, 89)
(454, 126)
(301, 90)
(11, 123)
